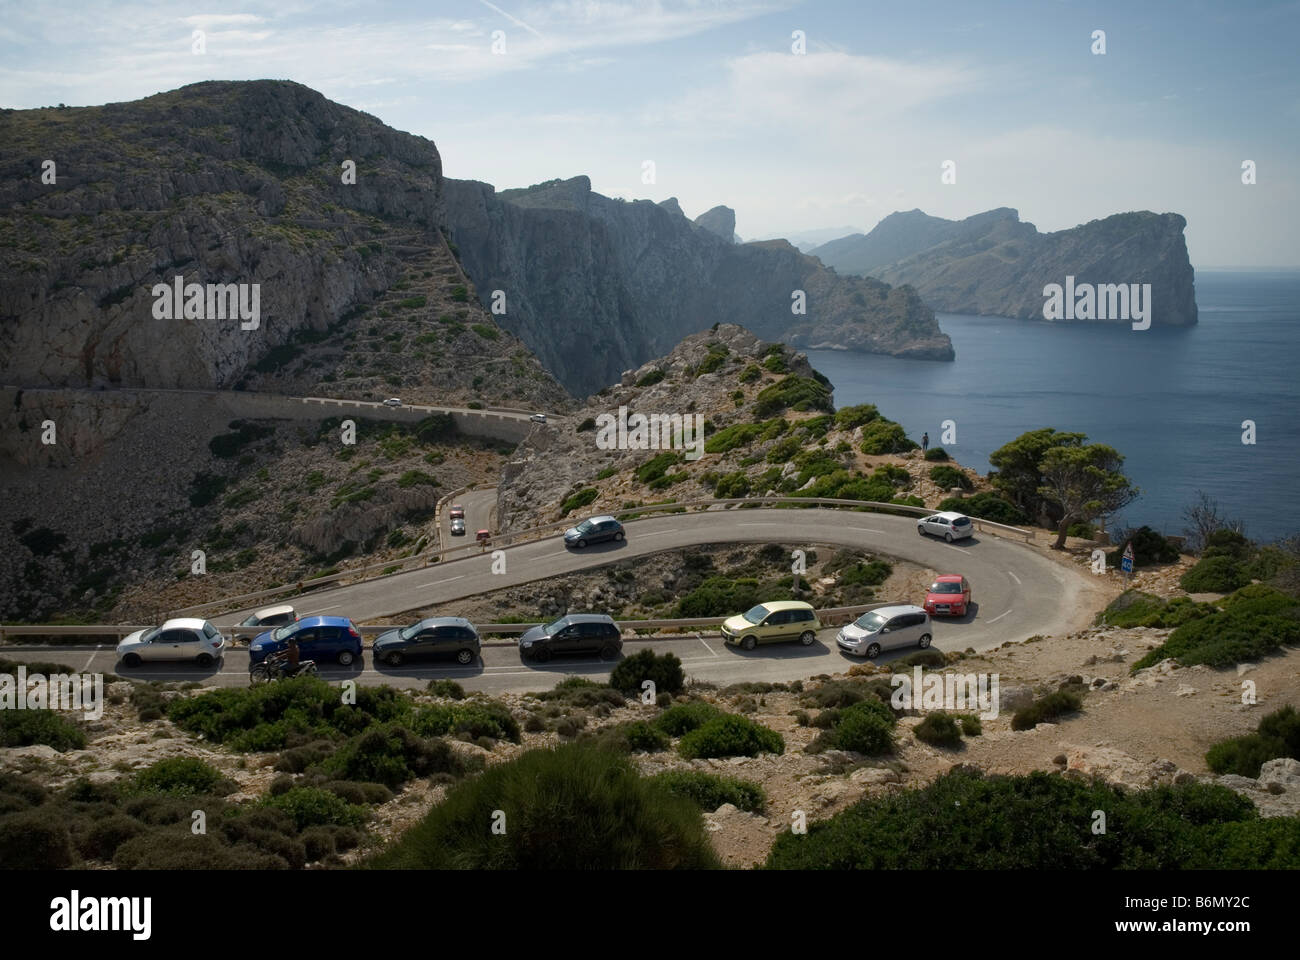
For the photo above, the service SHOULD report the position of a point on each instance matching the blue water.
(1171, 401)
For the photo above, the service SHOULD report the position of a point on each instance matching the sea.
(1172, 401)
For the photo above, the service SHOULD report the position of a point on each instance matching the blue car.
(319, 639)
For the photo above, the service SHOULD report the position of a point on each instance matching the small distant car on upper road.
(184, 638)
(949, 525)
(773, 622)
(319, 638)
(538, 418)
(457, 512)
(458, 528)
(393, 402)
(432, 637)
(593, 530)
(948, 596)
(573, 633)
(902, 625)
(271, 617)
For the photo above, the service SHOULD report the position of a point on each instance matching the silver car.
(949, 525)
(185, 638)
(886, 628)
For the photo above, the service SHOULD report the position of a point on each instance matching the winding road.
(1018, 589)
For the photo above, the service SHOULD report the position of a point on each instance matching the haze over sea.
(1172, 401)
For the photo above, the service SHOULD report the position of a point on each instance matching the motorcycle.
(276, 667)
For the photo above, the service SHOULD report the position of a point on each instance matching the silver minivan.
(885, 628)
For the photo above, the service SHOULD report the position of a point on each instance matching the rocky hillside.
(995, 264)
(596, 285)
(240, 183)
(771, 428)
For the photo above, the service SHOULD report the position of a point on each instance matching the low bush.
(36, 839)
(987, 506)
(1149, 548)
(1215, 574)
(948, 477)
(709, 791)
(730, 735)
(939, 730)
(24, 728)
(1278, 735)
(1046, 709)
(1251, 623)
(936, 453)
(391, 754)
(664, 670)
(180, 776)
(313, 807)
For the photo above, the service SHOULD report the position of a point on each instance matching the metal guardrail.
(511, 539)
(828, 616)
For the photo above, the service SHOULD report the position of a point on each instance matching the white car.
(393, 402)
(902, 625)
(538, 418)
(186, 638)
(949, 525)
(271, 617)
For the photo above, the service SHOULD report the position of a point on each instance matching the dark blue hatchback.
(319, 638)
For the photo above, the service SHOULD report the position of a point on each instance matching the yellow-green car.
(773, 622)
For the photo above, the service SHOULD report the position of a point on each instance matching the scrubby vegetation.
(709, 791)
(1250, 623)
(1278, 735)
(1047, 709)
(730, 735)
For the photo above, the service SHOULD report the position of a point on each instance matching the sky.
(801, 116)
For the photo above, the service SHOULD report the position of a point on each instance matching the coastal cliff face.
(995, 264)
(596, 286)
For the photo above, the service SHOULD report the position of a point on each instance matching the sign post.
(1126, 562)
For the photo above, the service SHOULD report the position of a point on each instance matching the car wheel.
(921, 531)
(205, 659)
(395, 659)
(608, 652)
(581, 544)
(924, 641)
(948, 537)
(749, 643)
(873, 651)
(346, 657)
(131, 660)
(619, 535)
(541, 654)
(465, 656)
(260, 673)
(807, 638)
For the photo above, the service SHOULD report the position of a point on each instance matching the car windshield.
(871, 622)
(585, 526)
(250, 622)
(555, 626)
(947, 587)
(406, 633)
(280, 633)
(150, 634)
(755, 614)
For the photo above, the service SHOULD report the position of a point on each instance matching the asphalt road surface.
(480, 514)
(1018, 592)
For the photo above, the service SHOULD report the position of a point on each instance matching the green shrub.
(576, 807)
(665, 670)
(1254, 621)
(709, 791)
(948, 477)
(168, 849)
(106, 834)
(885, 436)
(23, 728)
(986, 506)
(651, 378)
(847, 418)
(936, 453)
(391, 754)
(1278, 735)
(730, 735)
(36, 839)
(636, 736)
(863, 727)
(446, 688)
(1227, 543)
(181, 776)
(1046, 709)
(655, 467)
(1149, 547)
(313, 807)
(794, 393)
(1216, 574)
(579, 499)
(938, 729)
(970, 725)
(681, 718)
(1042, 822)
(1133, 608)
(750, 373)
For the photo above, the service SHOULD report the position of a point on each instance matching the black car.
(593, 530)
(573, 633)
(434, 637)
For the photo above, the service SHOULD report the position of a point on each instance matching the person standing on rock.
(925, 442)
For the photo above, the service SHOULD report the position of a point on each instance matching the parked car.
(538, 418)
(458, 528)
(902, 625)
(185, 638)
(949, 595)
(951, 526)
(319, 638)
(456, 512)
(271, 617)
(772, 622)
(432, 637)
(571, 634)
(393, 402)
(593, 530)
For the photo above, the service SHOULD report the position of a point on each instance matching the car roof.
(600, 519)
(588, 618)
(951, 515)
(949, 578)
(898, 609)
(428, 622)
(787, 605)
(273, 611)
(184, 623)
(324, 622)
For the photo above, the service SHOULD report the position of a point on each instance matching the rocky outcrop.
(995, 264)
(720, 221)
(596, 286)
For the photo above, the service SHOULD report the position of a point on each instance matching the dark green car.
(440, 637)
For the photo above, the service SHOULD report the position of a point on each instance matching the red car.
(457, 512)
(949, 596)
